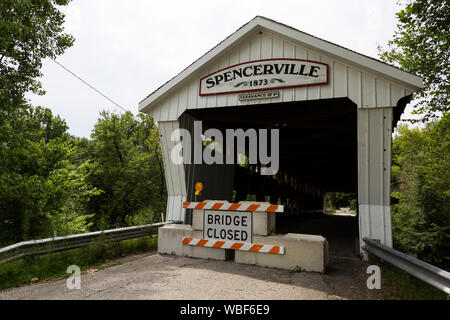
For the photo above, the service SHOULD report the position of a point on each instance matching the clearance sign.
(227, 225)
(262, 75)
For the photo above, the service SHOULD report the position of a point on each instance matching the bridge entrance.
(317, 154)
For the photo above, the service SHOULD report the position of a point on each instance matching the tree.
(39, 188)
(337, 200)
(421, 175)
(31, 30)
(421, 46)
(41, 192)
(126, 164)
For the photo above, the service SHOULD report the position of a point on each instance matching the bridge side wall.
(374, 174)
(174, 174)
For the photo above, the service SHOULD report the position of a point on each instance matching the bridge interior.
(318, 154)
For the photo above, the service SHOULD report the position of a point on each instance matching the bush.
(421, 180)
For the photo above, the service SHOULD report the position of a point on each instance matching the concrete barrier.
(263, 223)
(170, 242)
(303, 252)
(197, 219)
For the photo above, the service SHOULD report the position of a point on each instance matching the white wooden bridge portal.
(335, 122)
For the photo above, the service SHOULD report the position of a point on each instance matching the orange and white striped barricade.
(231, 225)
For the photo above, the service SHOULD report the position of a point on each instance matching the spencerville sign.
(262, 75)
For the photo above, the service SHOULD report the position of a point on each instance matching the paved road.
(154, 276)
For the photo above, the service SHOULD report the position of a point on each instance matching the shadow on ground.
(341, 232)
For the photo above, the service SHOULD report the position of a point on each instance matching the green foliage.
(37, 183)
(125, 162)
(53, 265)
(421, 181)
(421, 46)
(30, 31)
(337, 200)
(52, 183)
(39, 188)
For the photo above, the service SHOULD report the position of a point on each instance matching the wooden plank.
(382, 91)
(277, 52)
(326, 91)
(313, 91)
(376, 137)
(211, 101)
(178, 169)
(232, 99)
(387, 152)
(183, 99)
(387, 127)
(192, 93)
(266, 45)
(255, 47)
(173, 107)
(289, 53)
(162, 125)
(244, 56)
(397, 93)
(222, 99)
(301, 94)
(368, 90)
(354, 86)
(165, 109)
(340, 80)
(363, 156)
(201, 101)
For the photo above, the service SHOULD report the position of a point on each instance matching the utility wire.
(90, 86)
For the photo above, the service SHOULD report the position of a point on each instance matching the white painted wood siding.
(366, 89)
(374, 173)
(175, 176)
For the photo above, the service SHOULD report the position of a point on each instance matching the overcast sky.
(127, 49)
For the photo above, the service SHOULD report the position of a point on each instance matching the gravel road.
(154, 276)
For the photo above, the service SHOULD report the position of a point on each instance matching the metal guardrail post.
(426, 272)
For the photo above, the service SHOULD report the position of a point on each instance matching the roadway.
(154, 276)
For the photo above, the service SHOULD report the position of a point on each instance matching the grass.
(54, 265)
(400, 285)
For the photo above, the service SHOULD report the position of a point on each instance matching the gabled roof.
(347, 55)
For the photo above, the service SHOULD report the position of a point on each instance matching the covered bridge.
(335, 121)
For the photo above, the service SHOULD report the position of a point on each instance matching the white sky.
(127, 49)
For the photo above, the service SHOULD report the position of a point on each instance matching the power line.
(90, 86)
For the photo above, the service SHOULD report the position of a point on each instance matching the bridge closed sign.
(227, 225)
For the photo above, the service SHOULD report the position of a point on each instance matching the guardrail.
(432, 275)
(35, 247)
